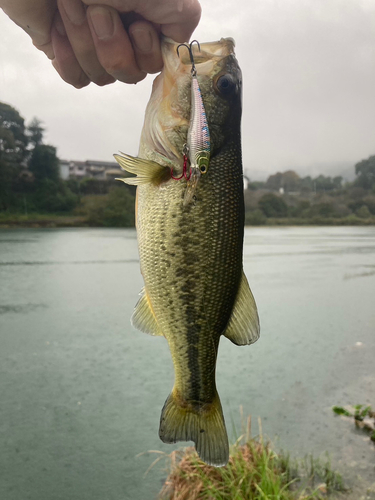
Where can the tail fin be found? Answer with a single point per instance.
(204, 425)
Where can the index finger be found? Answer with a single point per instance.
(178, 19)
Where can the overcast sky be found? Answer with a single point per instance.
(309, 87)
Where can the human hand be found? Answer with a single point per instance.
(117, 40)
(35, 17)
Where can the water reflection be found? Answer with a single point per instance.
(20, 309)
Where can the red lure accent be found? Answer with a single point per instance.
(184, 171)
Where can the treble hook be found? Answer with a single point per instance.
(189, 47)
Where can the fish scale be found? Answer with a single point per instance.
(191, 253)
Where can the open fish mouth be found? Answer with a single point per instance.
(205, 55)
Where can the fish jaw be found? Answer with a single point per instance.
(167, 116)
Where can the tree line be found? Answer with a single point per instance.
(29, 169)
(30, 183)
(320, 200)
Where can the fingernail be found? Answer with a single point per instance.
(75, 11)
(102, 22)
(142, 39)
(59, 25)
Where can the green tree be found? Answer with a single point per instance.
(273, 206)
(6, 180)
(13, 140)
(275, 181)
(323, 183)
(289, 181)
(255, 218)
(363, 212)
(324, 209)
(13, 143)
(116, 209)
(44, 163)
(365, 172)
(337, 182)
(35, 132)
(307, 184)
(301, 209)
(51, 196)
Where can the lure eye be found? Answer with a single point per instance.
(203, 169)
(226, 84)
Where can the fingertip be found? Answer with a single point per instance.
(132, 80)
(179, 33)
(113, 46)
(65, 61)
(190, 16)
(146, 44)
(78, 81)
(105, 80)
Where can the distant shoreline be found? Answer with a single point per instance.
(38, 221)
(42, 221)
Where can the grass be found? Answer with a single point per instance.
(364, 417)
(254, 472)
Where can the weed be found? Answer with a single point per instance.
(364, 417)
(254, 472)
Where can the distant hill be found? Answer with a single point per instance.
(344, 169)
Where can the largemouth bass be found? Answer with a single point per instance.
(191, 247)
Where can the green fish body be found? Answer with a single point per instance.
(191, 253)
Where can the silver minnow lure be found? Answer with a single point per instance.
(198, 139)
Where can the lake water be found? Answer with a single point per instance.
(81, 391)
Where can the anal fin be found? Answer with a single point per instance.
(243, 327)
(143, 317)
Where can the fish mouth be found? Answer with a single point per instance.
(206, 55)
(168, 111)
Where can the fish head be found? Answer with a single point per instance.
(168, 112)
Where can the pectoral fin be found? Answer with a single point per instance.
(143, 317)
(243, 326)
(147, 172)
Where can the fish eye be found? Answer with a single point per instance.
(226, 84)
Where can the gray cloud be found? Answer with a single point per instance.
(309, 80)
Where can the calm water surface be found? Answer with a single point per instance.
(81, 391)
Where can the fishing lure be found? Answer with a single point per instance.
(198, 140)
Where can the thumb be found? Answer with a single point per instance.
(184, 23)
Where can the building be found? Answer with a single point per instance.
(102, 170)
(64, 170)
